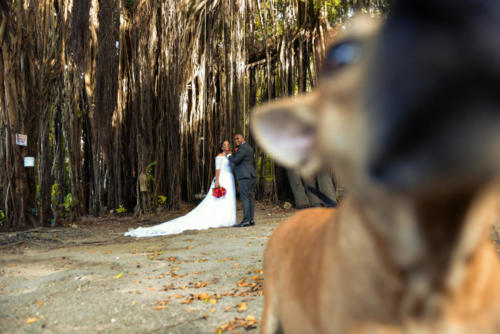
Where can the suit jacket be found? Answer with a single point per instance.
(242, 161)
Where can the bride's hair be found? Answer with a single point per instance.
(220, 146)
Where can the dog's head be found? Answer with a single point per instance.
(408, 116)
(412, 106)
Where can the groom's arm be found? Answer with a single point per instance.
(237, 158)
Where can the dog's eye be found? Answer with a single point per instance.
(342, 54)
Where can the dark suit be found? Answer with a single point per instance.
(242, 160)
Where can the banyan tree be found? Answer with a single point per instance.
(122, 103)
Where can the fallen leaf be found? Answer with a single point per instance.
(190, 247)
(31, 320)
(238, 323)
(119, 275)
(212, 301)
(40, 303)
(242, 307)
(198, 285)
(250, 318)
(224, 327)
(212, 310)
(161, 305)
(204, 295)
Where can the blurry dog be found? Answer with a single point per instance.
(408, 114)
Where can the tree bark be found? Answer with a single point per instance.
(16, 119)
(313, 199)
(298, 190)
(325, 185)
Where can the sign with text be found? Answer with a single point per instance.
(29, 161)
(21, 140)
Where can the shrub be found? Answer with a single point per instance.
(121, 209)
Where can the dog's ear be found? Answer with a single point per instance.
(287, 129)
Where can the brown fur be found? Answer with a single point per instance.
(407, 257)
(328, 271)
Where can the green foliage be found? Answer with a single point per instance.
(54, 194)
(268, 168)
(150, 171)
(129, 4)
(68, 202)
(121, 209)
(2, 217)
(37, 196)
(162, 200)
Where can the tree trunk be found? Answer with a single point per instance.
(105, 101)
(298, 190)
(325, 185)
(15, 119)
(45, 175)
(59, 159)
(313, 199)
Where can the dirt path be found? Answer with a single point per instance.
(91, 279)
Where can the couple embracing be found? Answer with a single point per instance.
(217, 211)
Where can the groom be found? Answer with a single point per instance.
(242, 159)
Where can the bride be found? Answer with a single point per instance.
(211, 212)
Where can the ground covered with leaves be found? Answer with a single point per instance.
(88, 278)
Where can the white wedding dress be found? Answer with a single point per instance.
(211, 212)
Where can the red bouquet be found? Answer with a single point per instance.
(219, 192)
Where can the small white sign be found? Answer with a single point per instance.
(29, 161)
(21, 140)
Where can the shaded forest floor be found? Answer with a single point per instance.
(89, 278)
